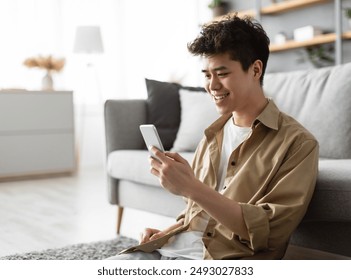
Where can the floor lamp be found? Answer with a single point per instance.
(88, 41)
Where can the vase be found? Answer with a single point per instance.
(47, 82)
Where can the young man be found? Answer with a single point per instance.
(254, 171)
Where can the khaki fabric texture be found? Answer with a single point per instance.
(272, 175)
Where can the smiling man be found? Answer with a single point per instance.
(254, 171)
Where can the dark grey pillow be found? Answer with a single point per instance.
(163, 108)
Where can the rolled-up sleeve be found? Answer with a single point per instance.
(271, 219)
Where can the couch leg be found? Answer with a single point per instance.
(119, 218)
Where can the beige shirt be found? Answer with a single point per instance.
(272, 175)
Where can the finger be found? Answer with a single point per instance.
(155, 163)
(144, 238)
(176, 157)
(160, 155)
(154, 172)
(156, 235)
(145, 235)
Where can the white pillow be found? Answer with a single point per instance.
(198, 111)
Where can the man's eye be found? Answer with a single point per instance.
(207, 76)
(222, 74)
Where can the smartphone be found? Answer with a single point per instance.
(151, 137)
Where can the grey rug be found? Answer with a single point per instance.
(85, 251)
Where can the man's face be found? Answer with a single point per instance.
(231, 88)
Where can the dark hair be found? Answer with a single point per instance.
(244, 40)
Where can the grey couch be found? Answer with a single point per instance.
(319, 99)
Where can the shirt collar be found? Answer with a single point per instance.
(217, 125)
(268, 117)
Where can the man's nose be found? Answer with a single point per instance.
(214, 84)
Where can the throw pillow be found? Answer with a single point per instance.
(163, 108)
(198, 111)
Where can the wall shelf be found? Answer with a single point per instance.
(290, 5)
(317, 40)
(282, 7)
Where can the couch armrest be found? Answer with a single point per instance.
(122, 120)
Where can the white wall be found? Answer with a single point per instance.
(142, 39)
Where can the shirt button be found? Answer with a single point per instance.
(233, 163)
(224, 187)
(209, 234)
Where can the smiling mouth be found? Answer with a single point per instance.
(220, 97)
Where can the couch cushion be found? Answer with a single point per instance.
(163, 108)
(320, 99)
(134, 165)
(331, 200)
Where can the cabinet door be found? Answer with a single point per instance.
(36, 133)
(36, 154)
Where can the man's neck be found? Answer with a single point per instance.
(246, 117)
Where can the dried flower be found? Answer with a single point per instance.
(45, 62)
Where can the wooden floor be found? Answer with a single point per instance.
(55, 212)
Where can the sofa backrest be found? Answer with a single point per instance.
(320, 99)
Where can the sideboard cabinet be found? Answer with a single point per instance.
(36, 133)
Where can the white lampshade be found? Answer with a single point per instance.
(88, 40)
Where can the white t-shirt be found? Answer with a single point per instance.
(189, 244)
(232, 138)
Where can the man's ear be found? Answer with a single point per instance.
(257, 67)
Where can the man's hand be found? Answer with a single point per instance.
(174, 172)
(176, 175)
(150, 234)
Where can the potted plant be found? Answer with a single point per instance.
(348, 15)
(219, 7)
(319, 56)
